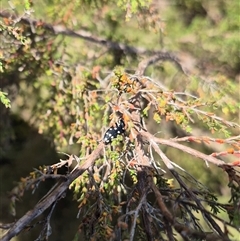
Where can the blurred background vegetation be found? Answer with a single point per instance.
(51, 49)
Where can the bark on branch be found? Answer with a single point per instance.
(51, 197)
(88, 36)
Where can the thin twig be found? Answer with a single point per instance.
(136, 213)
(234, 140)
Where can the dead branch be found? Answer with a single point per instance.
(85, 35)
(51, 197)
(233, 140)
(183, 230)
(183, 148)
(192, 196)
(164, 56)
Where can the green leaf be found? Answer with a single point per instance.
(4, 99)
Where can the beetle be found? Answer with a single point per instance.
(114, 131)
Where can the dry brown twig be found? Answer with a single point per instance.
(52, 196)
(183, 148)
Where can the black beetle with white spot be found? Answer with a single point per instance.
(114, 131)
